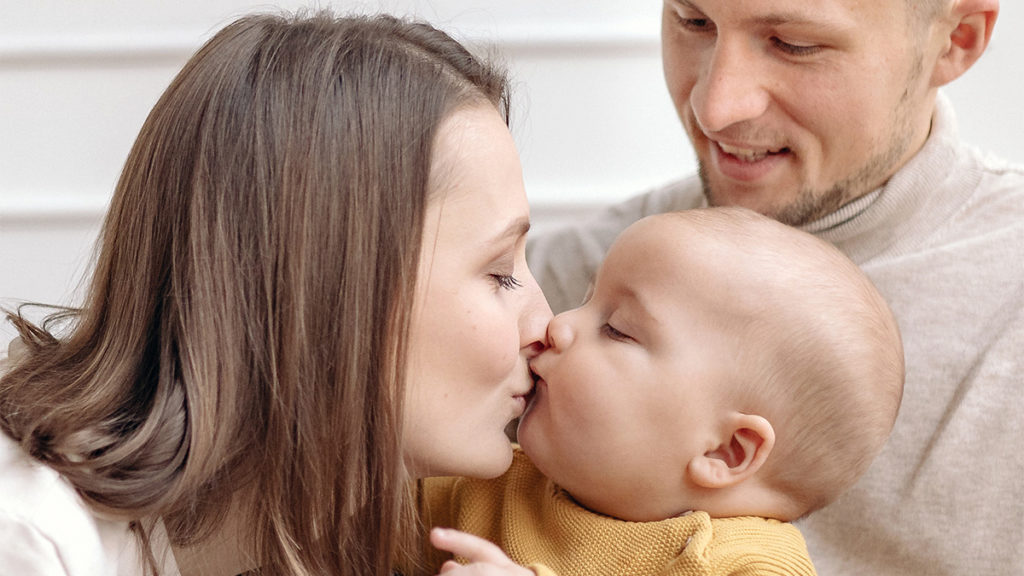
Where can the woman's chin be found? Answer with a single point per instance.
(494, 466)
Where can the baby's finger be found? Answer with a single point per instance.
(472, 548)
(449, 565)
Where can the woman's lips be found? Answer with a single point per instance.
(523, 400)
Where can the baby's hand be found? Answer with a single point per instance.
(485, 559)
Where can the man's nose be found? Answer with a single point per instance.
(730, 88)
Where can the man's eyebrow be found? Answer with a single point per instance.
(684, 4)
(774, 18)
(794, 18)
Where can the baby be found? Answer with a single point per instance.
(727, 375)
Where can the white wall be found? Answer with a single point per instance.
(591, 117)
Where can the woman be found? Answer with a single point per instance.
(311, 288)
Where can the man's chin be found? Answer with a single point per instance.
(720, 195)
(749, 201)
(805, 208)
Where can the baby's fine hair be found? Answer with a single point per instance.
(822, 351)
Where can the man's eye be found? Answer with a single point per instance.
(694, 24)
(795, 49)
(611, 332)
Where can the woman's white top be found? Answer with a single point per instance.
(46, 529)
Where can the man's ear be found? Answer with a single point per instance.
(969, 25)
(746, 441)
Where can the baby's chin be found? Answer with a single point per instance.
(531, 443)
(528, 430)
(527, 436)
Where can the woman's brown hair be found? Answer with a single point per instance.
(246, 321)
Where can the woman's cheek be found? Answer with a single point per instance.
(500, 345)
(506, 353)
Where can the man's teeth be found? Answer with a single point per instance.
(746, 154)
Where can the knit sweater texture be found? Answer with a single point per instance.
(539, 525)
(943, 240)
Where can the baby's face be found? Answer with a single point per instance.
(630, 387)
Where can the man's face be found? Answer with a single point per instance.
(796, 108)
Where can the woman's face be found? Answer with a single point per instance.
(479, 315)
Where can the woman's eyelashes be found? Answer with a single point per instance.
(506, 281)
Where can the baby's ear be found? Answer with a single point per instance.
(746, 441)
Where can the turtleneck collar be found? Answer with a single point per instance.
(914, 202)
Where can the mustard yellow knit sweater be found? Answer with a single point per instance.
(540, 526)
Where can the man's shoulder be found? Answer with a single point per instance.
(683, 194)
(1003, 181)
(996, 201)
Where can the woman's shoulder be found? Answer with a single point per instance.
(29, 488)
(46, 528)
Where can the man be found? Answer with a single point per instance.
(827, 116)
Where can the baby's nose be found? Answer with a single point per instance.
(560, 331)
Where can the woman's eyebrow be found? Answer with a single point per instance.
(516, 228)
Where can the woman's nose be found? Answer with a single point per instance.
(533, 321)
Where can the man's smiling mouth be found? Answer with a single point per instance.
(749, 154)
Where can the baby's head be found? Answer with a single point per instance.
(723, 362)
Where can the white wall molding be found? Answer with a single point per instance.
(577, 39)
(54, 49)
(33, 208)
(56, 209)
